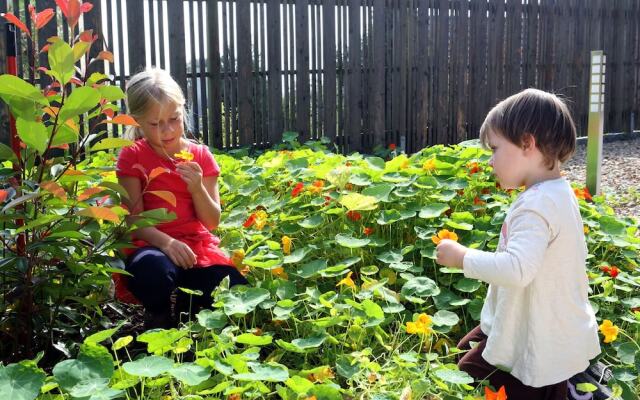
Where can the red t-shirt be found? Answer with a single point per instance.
(186, 227)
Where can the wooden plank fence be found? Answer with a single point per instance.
(364, 73)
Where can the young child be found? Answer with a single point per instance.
(182, 252)
(537, 328)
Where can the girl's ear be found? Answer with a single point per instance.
(528, 142)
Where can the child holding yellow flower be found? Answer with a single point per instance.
(537, 328)
(162, 169)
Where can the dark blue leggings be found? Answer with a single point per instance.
(155, 277)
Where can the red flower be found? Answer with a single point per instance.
(249, 221)
(473, 167)
(367, 231)
(327, 200)
(613, 271)
(354, 215)
(477, 201)
(392, 146)
(297, 189)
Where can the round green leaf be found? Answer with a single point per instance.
(359, 202)
(351, 242)
(20, 381)
(269, 372)
(467, 285)
(190, 373)
(313, 221)
(420, 287)
(433, 210)
(243, 300)
(454, 376)
(254, 340)
(212, 319)
(149, 367)
(446, 318)
(93, 362)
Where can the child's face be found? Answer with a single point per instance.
(508, 160)
(163, 126)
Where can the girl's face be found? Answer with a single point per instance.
(163, 127)
(508, 161)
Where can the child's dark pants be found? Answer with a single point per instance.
(473, 363)
(155, 277)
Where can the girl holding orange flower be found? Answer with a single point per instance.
(537, 328)
(162, 169)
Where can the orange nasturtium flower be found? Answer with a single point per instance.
(444, 234)
(609, 330)
(367, 231)
(347, 281)
(422, 325)
(184, 155)
(279, 272)
(582, 194)
(429, 165)
(316, 186)
(501, 394)
(286, 244)
(473, 168)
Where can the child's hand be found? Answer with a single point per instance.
(191, 173)
(180, 253)
(450, 253)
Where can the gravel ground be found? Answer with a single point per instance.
(620, 174)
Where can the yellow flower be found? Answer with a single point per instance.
(420, 326)
(404, 164)
(586, 229)
(237, 256)
(286, 244)
(609, 330)
(429, 165)
(261, 219)
(184, 155)
(444, 234)
(348, 281)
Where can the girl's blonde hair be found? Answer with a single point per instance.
(153, 85)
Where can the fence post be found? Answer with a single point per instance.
(135, 29)
(596, 121)
(177, 48)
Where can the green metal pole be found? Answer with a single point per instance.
(596, 121)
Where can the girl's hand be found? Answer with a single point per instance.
(450, 253)
(180, 253)
(191, 173)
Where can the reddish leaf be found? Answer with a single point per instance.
(63, 5)
(76, 81)
(3, 195)
(100, 213)
(102, 200)
(64, 146)
(16, 21)
(108, 112)
(86, 7)
(123, 119)
(89, 193)
(43, 17)
(165, 195)
(157, 171)
(74, 12)
(44, 49)
(87, 36)
(54, 189)
(105, 55)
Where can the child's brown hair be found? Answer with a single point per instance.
(537, 113)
